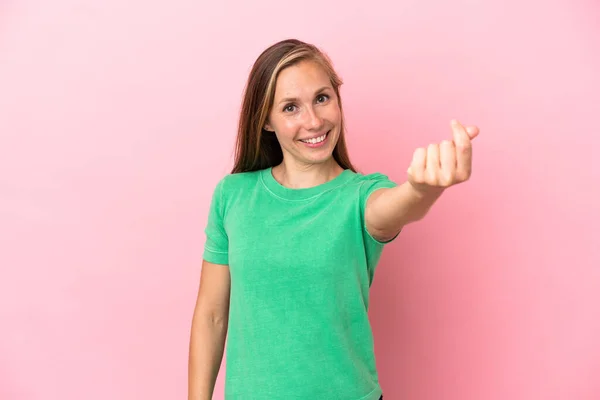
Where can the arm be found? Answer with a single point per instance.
(209, 330)
(388, 210)
(432, 171)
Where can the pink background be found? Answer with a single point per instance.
(118, 117)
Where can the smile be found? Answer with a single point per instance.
(316, 140)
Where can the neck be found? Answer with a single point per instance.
(296, 176)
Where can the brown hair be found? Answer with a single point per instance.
(256, 148)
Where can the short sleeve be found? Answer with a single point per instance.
(372, 183)
(216, 248)
(373, 247)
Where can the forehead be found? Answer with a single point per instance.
(302, 78)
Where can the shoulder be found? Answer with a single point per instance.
(367, 184)
(371, 177)
(240, 178)
(233, 184)
(376, 179)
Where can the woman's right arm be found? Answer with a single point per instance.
(209, 330)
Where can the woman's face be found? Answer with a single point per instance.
(305, 116)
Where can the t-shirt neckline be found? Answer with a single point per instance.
(305, 193)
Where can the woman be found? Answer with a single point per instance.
(293, 237)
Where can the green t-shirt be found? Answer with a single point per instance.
(301, 264)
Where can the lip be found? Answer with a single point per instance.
(318, 145)
(316, 136)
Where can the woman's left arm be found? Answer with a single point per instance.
(433, 170)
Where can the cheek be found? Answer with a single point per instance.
(288, 128)
(333, 114)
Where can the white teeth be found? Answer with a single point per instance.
(315, 140)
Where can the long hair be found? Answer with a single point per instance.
(256, 148)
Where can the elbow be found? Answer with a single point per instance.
(384, 236)
(211, 318)
(219, 320)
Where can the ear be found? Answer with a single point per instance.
(268, 127)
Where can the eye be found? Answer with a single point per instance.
(289, 108)
(322, 98)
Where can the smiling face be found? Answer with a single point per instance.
(305, 116)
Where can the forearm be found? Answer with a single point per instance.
(206, 350)
(394, 208)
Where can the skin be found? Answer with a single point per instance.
(305, 105)
(313, 111)
(433, 169)
(208, 331)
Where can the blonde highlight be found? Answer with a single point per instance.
(256, 150)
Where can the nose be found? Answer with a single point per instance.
(313, 119)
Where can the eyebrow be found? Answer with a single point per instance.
(291, 99)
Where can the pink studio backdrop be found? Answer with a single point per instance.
(118, 118)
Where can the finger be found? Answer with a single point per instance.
(459, 133)
(448, 162)
(433, 163)
(462, 143)
(472, 131)
(419, 161)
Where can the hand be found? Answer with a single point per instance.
(442, 165)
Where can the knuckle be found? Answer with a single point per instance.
(463, 176)
(431, 178)
(463, 148)
(447, 179)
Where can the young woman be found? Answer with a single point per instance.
(293, 238)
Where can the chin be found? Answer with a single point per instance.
(321, 158)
